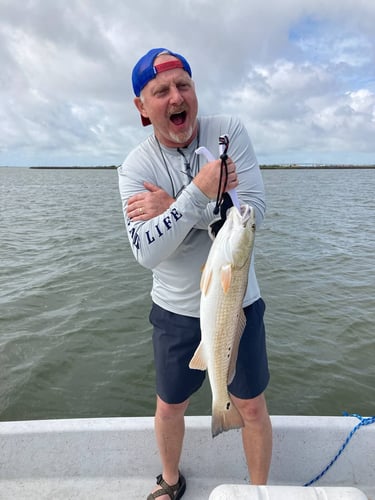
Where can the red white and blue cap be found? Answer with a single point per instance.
(145, 70)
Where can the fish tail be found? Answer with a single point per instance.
(225, 417)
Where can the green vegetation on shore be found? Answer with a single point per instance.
(99, 167)
(294, 166)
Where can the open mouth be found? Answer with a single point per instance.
(178, 118)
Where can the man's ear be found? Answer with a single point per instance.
(139, 105)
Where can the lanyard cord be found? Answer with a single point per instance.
(186, 164)
(224, 142)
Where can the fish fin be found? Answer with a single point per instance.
(226, 277)
(198, 361)
(241, 323)
(206, 281)
(225, 417)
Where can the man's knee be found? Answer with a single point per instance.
(252, 410)
(167, 411)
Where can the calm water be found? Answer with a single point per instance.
(74, 331)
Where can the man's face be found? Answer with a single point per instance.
(170, 102)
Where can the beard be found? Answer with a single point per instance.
(183, 137)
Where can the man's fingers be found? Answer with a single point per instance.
(151, 187)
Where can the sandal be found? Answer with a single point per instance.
(174, 492)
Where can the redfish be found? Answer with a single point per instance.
(222, 319)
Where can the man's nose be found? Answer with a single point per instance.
(175, 96)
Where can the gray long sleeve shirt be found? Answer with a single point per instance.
(175, 244)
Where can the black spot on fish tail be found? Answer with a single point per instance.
(225, 418)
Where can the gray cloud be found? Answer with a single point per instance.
(300, 74)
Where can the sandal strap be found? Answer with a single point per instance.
(166, 489)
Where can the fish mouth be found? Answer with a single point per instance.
(246, 212)
(244, 216)
(178, 118)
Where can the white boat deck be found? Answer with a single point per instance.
(117, 458)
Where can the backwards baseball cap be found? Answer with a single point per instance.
(145, 70)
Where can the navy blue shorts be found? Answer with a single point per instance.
(175, 339)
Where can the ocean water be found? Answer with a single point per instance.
(75, 340)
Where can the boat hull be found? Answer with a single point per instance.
(103, 458)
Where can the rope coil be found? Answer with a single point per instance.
(362, 422)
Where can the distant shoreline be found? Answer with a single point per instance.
(111, 167)
(314, 167)
(262, 167)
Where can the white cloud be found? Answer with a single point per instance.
(299, 111)
(363, 101)
(301, 74)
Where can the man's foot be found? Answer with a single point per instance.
(174, 492)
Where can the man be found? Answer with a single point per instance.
(168, 195)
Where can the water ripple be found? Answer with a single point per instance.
(75, 340)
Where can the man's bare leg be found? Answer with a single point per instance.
(169, 430)
(256, 436)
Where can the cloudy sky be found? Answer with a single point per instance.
(300, 73)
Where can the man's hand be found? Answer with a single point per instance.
(148, 204)
(209, 177)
